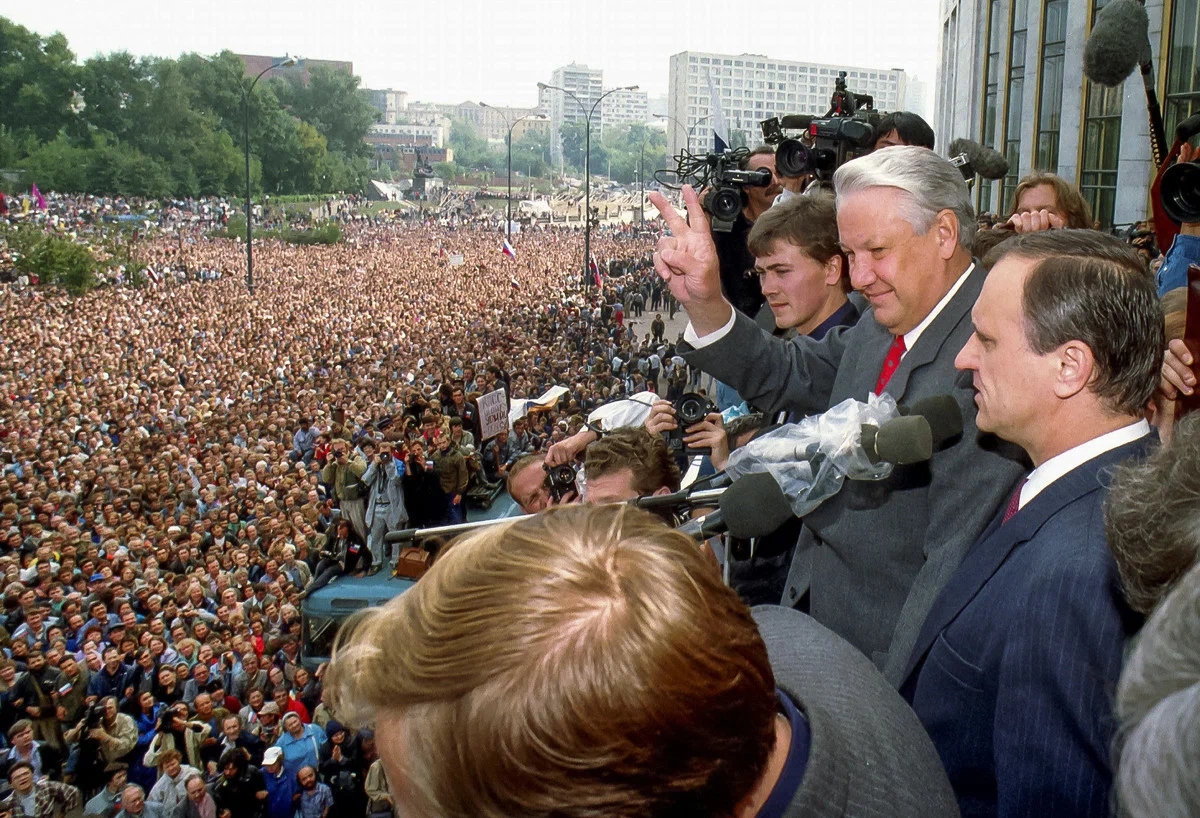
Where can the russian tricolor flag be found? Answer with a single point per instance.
(508, 250)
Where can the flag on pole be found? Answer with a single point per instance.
(37, 195)
(595, 272)
(154, 275)
(508, 250)
(720, 127)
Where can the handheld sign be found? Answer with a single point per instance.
(493, 414)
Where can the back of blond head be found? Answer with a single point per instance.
(584, 662)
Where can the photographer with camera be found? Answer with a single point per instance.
(385, 509)
(175, 732)
(535, 485)
(344, 473)
(1185, 250)
(344, 553)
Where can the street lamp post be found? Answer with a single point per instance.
(286, 62)
(587, 168)
(508, 210)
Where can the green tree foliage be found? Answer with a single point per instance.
(473, 151)
(119, 124)
(53, 259)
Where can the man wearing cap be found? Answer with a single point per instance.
(281, 787)
(300, 743)
(268, 720)
(107, 802)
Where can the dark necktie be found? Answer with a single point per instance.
(1014, 505)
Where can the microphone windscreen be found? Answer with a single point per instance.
(754, 506)
(1118, 42)
(988, 163)
(943, 414)
(796, 122)
(904, 440)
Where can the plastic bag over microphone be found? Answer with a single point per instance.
(811, 459)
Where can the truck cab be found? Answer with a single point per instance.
(325, 610)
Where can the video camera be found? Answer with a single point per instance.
(726, 180)
(844, 133)
(1180, 186)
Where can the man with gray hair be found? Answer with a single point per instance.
(1158, 706)
(871, 560)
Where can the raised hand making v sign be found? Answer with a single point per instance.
(687, 261)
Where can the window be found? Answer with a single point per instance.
(1101, 144)
(1013, 100)
(1050, 84)
(991, 95)
(1183, 65)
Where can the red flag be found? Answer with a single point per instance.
(37, 196)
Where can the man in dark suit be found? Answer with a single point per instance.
(1014, 670)
(871, 560)
(602, 650)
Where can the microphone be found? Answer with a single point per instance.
(796, 122)
(943, 413)
(753, 506)
(988, 163)
(1119, 43)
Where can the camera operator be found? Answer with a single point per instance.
(344, 472)
(902, 128)
(385, 509)
(666, 695)
(1185, 250)
(741, 290)
(175, 732)
(115, 731)
(529, 484)
(344, 553)
(423, 493)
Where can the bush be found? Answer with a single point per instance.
(328, 232)
(54, 260)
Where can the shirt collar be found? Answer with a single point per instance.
(1054, 468)
(784, 791)
(910, 337)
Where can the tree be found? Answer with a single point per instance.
(471, 150)
(333, 104)
(38, 81)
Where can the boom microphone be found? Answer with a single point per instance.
(1119, 42)
(988, 163)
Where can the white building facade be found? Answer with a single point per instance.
(623, 107)
(753, 87)
(585, 84)
(1011, 77)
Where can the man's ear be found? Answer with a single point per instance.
(1076, 365)
(661, 491)
(833, 271)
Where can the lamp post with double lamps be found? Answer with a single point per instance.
(508, 219)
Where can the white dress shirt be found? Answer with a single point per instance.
(1054, 468)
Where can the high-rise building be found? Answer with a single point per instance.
(752, 87)
(585, 84)
(623, 107)
(1011, 77)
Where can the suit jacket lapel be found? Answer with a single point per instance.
(999, 540)
(935, 336)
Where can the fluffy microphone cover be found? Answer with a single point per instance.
(986, 162)
(1118, 42)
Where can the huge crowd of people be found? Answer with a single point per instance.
(186, 461)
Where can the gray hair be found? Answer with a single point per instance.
(1158, 707)
(931, 183)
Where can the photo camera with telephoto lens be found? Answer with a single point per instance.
(690, 409)
(1180, 186)
(844, 133)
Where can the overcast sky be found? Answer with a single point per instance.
(452, 50)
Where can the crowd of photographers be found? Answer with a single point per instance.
(1008, 629)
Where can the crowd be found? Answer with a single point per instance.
(1006, 629)
(183, 462)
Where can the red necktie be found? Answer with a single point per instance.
(895, 353)
(1014, 505)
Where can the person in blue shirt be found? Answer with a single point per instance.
(300, 743)
(282, 788)
(1185, 250)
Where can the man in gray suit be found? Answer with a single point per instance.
(623, 678)
(871, 560)
(385, 509)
